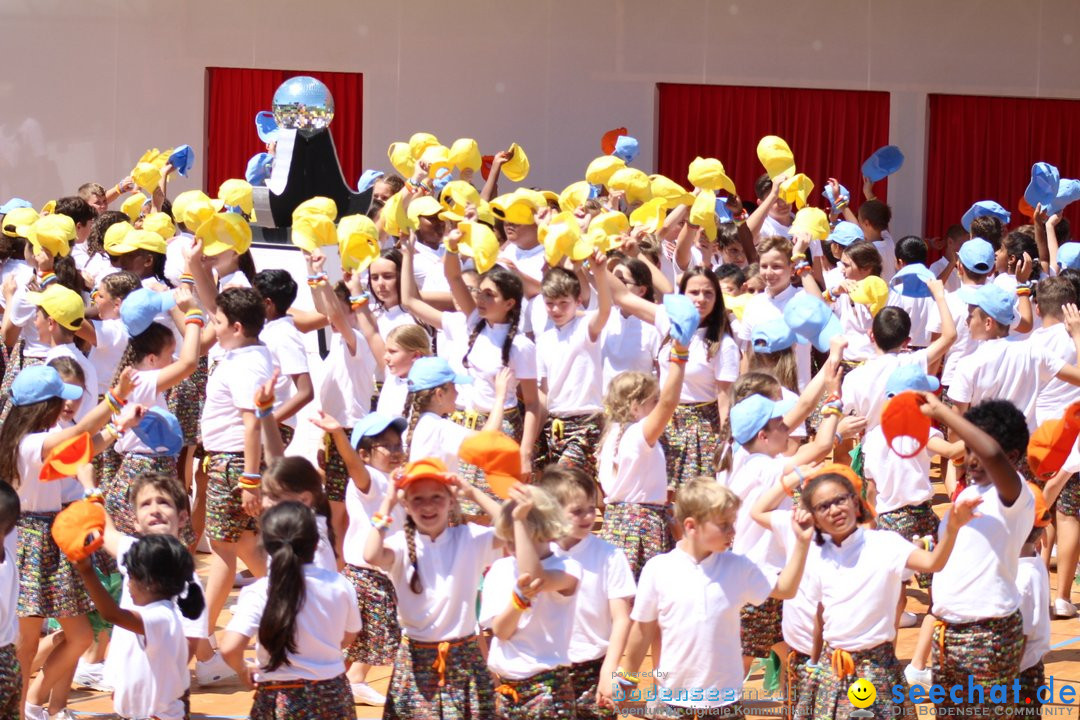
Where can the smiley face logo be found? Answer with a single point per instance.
(862, 693)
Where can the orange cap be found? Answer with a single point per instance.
(65, 459)
(79, 529)
(497, 455)
(607, 142)
(423, 469)
(904, 424)
(1052, 442)
(1042, 512)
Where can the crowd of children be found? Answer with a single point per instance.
(558, 433)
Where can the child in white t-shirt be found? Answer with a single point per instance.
(110, 336)
(60, 313)
(405, 344)
(1033, 582)
(912, 250)
(286, 345)
(629, 343)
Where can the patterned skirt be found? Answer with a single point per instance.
(106, 464)
(1068, 501)
(48, 585)
(912, 521)
(185, 401)
(877, 665)
(548, 695)
(440, 681)
(10, 683)
(642, 531)
(802, 682)
(225, 516)
(132, 465)
(571, 442)
(961, 650)
(335, 474)
(512, 425)
(380, 635)
(1030, 682)
(691, 443)
(586, 678)
(325, 699)
(13, 365)
(759, 627)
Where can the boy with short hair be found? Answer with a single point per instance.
(60, 313)
(912, 250)
(975, 263)
(110, 334)
(772, 216)
(874, 219)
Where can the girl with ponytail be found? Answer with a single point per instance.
(302, 615)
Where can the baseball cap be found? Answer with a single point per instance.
(516, 168)
(465, 154)
(811, 320)
(14, 204)
(812, 221)
(140, 308)
(432, 372)
(977, 255)
(752, 414)
(871, 291)
(20, 218)
(910, 377)
(161, 224)
(52, 233)
(266, 126)
(237, 193)
(62, 304)
(1052, 442)
(884, 162)
(39, 383)
(1043, 187)
(1069, 256)
(906, 428)
(313, 230)
(258, 168)
(684, 318)
(423, 469)
(992, 300)
(497, 455)
(776, 156)
(128, 239)
(183, 159)
(65, 459)
(912, 280)
(358, 242)
(772, 336)
(225, 231)
(375, 423)
(982, 208)
(517, 207)
(845, 233)
(160, 431)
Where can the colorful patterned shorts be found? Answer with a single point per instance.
(1030, 682)
(380, 635)
(911, 521)
(961, 650)
(415, 692)
(288, 700)
(878, 665)
(801, 684)
(571, 442)
(512, 426)
(225, 516)
(48, 585)
(691, 443)
(185, 401)
(1068, 501)
(131, 467)
(545, 696)
(642, 531)
(585, 677)
(10, 684)
(287, 433)
(759, 627)
(333, 466)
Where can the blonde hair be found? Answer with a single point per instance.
(545, 522)
(626, 388)
(704, 499)
(755, 383)
(775, 242)
(410, 338)
(781, 363)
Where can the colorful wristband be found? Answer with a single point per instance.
(520, 602)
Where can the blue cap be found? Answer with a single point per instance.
(811, 320)
(910, 377)
(39, 383)
(375, 423)
(140, 308)
(752, 414)
(626, 148)
(772, 336)
(984, 207)
(723, 215)
(182, 158)
(258, 169)
(14, 204)
(911, 280)
(1043, 187)
(441, 180)
(367, 179)
(977, 255)
(829, 194)
(845, 233)
(992, 300)
(1068, 192)
(883, 163)
(433, 372)
(160, 431)
(266, 125)
(1069, 256)
(684, 317)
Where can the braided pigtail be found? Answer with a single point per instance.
(514, 318)
(472, 341)
(618, 437)
(126, 361)
(418, 405)
(410, 543)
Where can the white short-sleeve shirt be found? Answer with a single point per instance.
(763, 307)
(923, 313)
(900, 481)
(197, 628)
(628, 344)
(348, 380)
(570, 361)
(149, 673)
(112, 339)
(438, 437)
(144, 393)
(1033, 582)
(702, 371)
(231, 389)
(286, 346)
(1055, 395)
(89, 396)
(757, 543)
(800, 612)
(637, 473)
(863, 389)
(360, 506)
(485, 362)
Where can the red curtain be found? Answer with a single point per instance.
(830, 132)
(982, 148)
(235, 95)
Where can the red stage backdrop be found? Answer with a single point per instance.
(982, 148)
(830, 132)
(235, 95)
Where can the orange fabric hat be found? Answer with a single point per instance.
(66, 458)
(497, 455)
(906, 429)
(423, 469)
(607, 142)
(1052, 442)
(79, 529)
(1042, 512)
(846, 472)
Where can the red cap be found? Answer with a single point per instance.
(904, 424)
(607, 142)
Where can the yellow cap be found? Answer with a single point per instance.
(518, 207)
(602, 168)
(128, 240)
(420, 142)
(225, 231)
(650, 215)
(52, 233)
(465, 155)
(317, 205)
(516, 168)
(795, 190)
(633, 182)
(703, 213)
(312, 230)
(197, 211)
(708, 174)
(871, 291)
(478, 242)
(147, 177)
(155, 157)
(457, 194)
(776, 156)
(48, 208)
(237, 193)
(437, 158)
(62, 304)
(114, 236)
(483, 213)
(575, 195)
(812, 221)
(736, 304)
(559, 236)
(606, 230)
(160, 223)
(358, 242)
(423, 206)
(133, 206)
(180, 202)
(395, 219)
(672, 192)
(19, 218)
(401, 158)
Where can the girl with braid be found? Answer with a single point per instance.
(439, 670)
(405, 344)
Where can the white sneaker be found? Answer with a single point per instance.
(35, 712)
(364, 694)
(908, 619)
(914, 676)
(64, 714)
(91, 675)
(213, 671)
(1063, 608)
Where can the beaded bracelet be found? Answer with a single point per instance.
(195, 317)
(796, 257)
(520, 602)
(94, 494)
(841, 202)
(380, 521)
(187, 279)
(112, 428)
(264, 413)
(832, 397)
(250, 481)
(317, 279)
(828, 410)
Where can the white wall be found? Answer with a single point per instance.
(88, 86)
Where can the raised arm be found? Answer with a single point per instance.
(452, 269)
(654, 424)
(637, 306)
(410, 294)
(175, 372)
(528, 551)
(937, 349)
(599, 269)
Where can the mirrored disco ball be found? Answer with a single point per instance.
(303, 103)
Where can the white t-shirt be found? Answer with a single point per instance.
(235, 279)
(800, 612)
(89, 396)
(570, 361)
(771, 226)
(329, 612)
(9, 591)
(438, 437)
(542, 639)
(628, 344)
(197, 629)
(428, 267)
(1033, 582)
(392, 396)
(886, 246)
(286, 346)
(485, 358)
(964, 345)
(1007, 282)
(112, 340)
(923, 313)
(1005, 369)
(859, 583)
(855, 322)
(979, 580)
(230, 389)
(22, 312)
(450, 568)
(900, 481)
(144, 393)
(763, 307)
(702, 372)
(149, 673)
(348, 381)
(1055, 395)
(786, 395)
(638, 474)
(387, 320)
(697, 606)
(36, 495)
(530, 263)
(758, 473)
(863, 388)
(360, 506)
(952, 283)
(605, 576)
